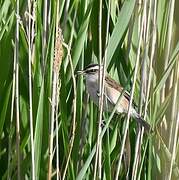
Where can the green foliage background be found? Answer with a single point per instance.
(135, 36)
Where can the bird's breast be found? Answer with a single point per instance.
(92, 88)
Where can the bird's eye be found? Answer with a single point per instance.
(91, 71)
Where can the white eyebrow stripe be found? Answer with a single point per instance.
(92, 66)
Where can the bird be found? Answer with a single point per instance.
(112, 91)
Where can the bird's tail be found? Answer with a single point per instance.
(141, 121)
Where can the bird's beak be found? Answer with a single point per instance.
(81, 72)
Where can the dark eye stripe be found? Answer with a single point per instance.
(92, 71)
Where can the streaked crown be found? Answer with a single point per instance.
(91, 69)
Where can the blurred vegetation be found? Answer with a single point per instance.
(49, 125)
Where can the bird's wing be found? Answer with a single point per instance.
(113, 84)
(127, 96)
